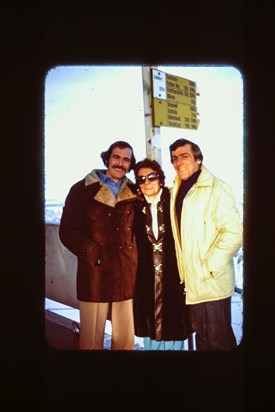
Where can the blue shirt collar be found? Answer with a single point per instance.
(109, 182)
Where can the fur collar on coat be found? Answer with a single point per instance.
(105, 195)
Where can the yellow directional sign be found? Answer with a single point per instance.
(174, 101)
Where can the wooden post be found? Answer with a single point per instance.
(153, 143)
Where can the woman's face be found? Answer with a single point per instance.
(150, 186)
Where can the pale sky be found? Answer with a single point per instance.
(89, 107)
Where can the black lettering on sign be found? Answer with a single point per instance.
(170, 77)
(170, 96)
(174, 91)
(174, 118)
(175, 105)
(170, 84)
(173, 124)
(173, 111)
(156, 77)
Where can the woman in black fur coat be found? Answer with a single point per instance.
(160, 313)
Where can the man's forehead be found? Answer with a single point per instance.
(183, 148)
(125, 150)
(121, 148)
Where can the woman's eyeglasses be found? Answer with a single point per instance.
(152, 177)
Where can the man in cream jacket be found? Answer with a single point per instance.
(207, 230)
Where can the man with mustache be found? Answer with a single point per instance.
(96, 225)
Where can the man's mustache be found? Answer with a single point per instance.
(119, 167)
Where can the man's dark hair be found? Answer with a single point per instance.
(182, 142)
(105, 156)
(152, 164)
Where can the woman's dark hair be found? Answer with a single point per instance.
(152, 164)
(182, 142)
(105, 156)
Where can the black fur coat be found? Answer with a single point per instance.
(160, 312)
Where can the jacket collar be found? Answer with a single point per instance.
(206, 178)
(105, 195)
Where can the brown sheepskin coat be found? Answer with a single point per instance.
(97, 227)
